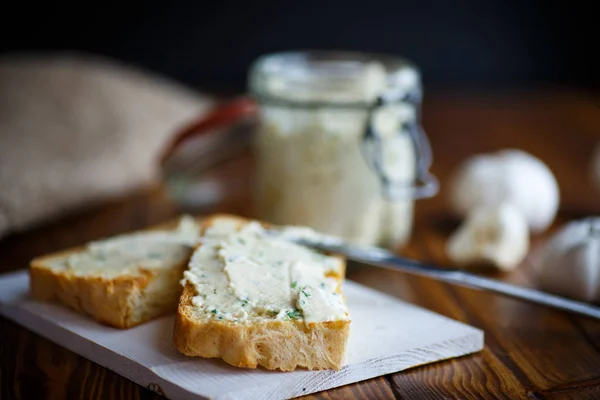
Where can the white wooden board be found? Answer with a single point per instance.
(387, 335)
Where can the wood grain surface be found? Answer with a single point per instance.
(531, 352)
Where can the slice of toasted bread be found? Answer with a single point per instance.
(263, 339)
(119, 286)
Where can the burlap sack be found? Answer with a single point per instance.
(77, 129)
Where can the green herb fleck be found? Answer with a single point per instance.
(215, 291)
(272, 313)
(304, 292)
(294, 284)
(219, 317)
(322, 285)
(295, 314)
(214, 311)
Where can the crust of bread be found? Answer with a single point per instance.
(123, 301)
(274, 345)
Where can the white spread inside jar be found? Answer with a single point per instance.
(311, 169)
(245, 275)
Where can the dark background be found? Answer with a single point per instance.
(471, 45)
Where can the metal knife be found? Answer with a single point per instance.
(383, 258)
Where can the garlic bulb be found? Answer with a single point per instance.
(492, 236)
(569, 262)
(507, 176)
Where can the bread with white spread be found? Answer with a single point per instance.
(121, 281)
(252, 299)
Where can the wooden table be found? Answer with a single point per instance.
(530, 352)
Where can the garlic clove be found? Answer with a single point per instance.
(569, 262)
(509, 175)
(493, 236)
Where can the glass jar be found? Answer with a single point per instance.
(327, 140)
(339, 146)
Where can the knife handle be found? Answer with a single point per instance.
(466, 279)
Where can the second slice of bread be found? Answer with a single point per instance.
(121, 294)
(269, 342)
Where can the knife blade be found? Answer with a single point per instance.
(382, 258)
